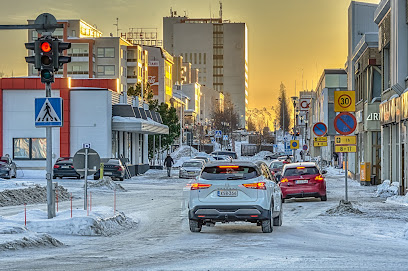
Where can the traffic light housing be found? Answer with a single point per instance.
(36, 58)
(47, 59)
(58, 50)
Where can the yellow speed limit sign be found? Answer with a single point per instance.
(345, 101)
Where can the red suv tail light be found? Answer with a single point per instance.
(260, 185)
(319, 178)
(56, 166)
(119, 168)
(196, 186)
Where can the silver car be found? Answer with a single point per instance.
(191, 168)
(235, 191)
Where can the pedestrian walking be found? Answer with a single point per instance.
(168, 162)
(336, 159)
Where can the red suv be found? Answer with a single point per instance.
(300, 180)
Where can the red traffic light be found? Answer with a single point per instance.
(45, 47)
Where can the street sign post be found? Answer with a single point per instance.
(86, 162)
(345, 123)
(319, 144)
(320, 129)
(294, 144)
(48, 112)
(346, 148)
(218, 133)
(345, 101)
(321, 139)
(225, 137)
(345, 140)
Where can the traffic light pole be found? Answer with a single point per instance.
(50, 197)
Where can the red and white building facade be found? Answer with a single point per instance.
(87, 118)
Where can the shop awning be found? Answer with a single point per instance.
(131, 124)
(126, 118)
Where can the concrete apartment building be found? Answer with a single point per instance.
(218, 49)
(160, 73)
(391, 18)
(363, 68)
(322, 108)
(94, 56)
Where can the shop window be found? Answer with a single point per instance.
(29, 148)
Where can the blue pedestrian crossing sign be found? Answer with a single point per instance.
(48, 112)
(225, 137)
(218, 133)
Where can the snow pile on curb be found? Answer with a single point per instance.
(40, 240)
(387, 189)
(30, 195)
(262, 154)
(344, 208)
(100, 222)
(106, 183)
(184, 151)
(398, 199)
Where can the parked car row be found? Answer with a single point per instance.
(64, 168)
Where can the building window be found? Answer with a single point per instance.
(106, 70)
(106, 52)
(29, 148)
(195, 58)
(205, 58)
(199, 58)
(191, 58)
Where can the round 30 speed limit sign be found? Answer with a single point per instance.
(345, 101)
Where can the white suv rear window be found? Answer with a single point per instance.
(229, 173)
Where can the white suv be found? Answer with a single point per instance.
(235, 191)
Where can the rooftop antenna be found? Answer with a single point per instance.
(302, 80)
(221, 10)
(117, 27)
(210, 11)
(171, 12)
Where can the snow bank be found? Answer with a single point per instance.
(262, 154)
(40, 240)
(101, 221)
(387, 189)
(184, 151)
(403, 200)
(107, 184)
(344, 208)
(30, 195)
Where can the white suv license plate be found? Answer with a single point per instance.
(301, 181)
(227, 193)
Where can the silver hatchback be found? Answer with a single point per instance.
(235, 191)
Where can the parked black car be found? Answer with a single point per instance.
(228, 153)
(64, 167)
(113, 168)
(8, 168)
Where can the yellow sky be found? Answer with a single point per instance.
(287, 38)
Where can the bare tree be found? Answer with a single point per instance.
(227, 115)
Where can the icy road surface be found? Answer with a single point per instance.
(309, 239)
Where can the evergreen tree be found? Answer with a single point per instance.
(282, 110)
